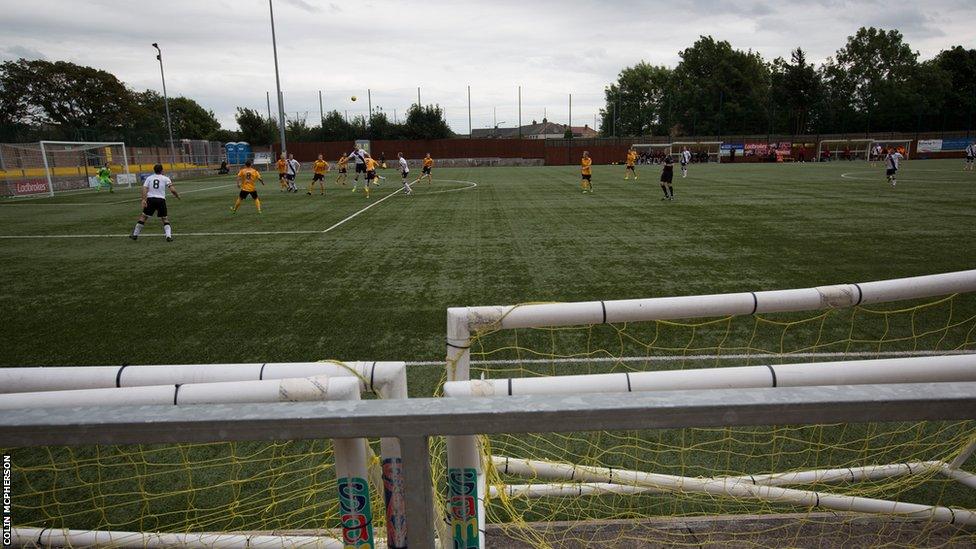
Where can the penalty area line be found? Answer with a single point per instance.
(241, 233)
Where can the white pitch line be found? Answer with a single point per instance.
(361, 211)
(673, 358)
(242, 233)
(123, 201)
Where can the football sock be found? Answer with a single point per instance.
(168, 230)
(257, 203)
(138, 227)
(665, 189)
(237, 204)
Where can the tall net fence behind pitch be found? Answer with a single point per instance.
(536, 480)
(32, 169)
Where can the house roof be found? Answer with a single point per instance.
(540, 128)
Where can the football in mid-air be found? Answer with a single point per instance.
(354, 98)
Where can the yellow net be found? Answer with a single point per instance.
(544, 503)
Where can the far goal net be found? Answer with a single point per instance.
(843, 149)
(652, 153)
(49, 167)
(701, 151)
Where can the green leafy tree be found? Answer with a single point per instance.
(380, 127)
(426, 123)
(796, 90)
(867, 79)
(190, 120)
(959, 109)
(297, 130)
(39, 92)
(718, 89)
(335, 128)
(638, 103)
(254, 128)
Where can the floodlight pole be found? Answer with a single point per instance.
(418, 97)
(267, 96)
(169, 123)
(469, 113)
(520, 112)
(281, 107)
(321, 111)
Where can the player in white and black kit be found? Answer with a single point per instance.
(358, 155)
(154, 202)
(685, 159)
(877, 154)
(891, 163)
(292, 171)
(404, 173)
(970, 157)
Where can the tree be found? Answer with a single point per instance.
(718, 89)
(639, 100)
(335, 128)
(39, 92)
(298, 131)
(959, 109)
(796, 89)
(254, 128)
(867, 78)
(190, 120)
(380, 127)
(426, 123)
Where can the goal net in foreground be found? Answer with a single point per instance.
(876, 483)
(49, 167)
(290, 493)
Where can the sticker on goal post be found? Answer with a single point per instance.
(356, 515)
(463, 503)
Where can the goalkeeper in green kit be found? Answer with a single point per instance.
(105, 178)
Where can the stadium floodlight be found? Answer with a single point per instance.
(169, 123)
(281, 106)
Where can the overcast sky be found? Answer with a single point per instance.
(219, 51)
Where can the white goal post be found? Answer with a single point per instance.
(72, 155)
(844, 149)
(697, 148)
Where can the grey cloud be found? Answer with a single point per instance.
(20, 52)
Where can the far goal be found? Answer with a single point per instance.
(843, 149)
(49, 167)
(701, 151)
(652, 153)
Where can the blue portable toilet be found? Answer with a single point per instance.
(230, 149)
(244, 151)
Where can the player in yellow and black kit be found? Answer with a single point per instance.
(245, 182)
(371, 165)
(587, 173)
(342, 164)
(319, 168)
(282, 166)
(631, 160)
(427, 167)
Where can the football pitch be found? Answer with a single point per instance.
(342, 277)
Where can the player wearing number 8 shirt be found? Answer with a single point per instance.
(154, 202)
(245, 182)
